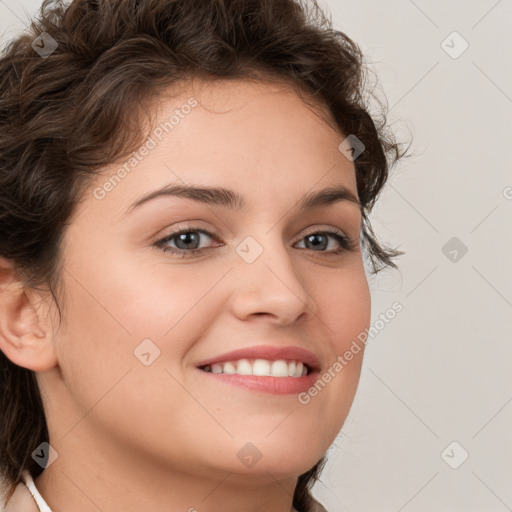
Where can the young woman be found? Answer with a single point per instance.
(184, 198)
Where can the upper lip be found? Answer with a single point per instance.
(268, 352)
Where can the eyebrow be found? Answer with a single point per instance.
(220, 196)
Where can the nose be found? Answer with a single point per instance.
(272, 288)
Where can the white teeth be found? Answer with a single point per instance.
(279, 368)
(244, 367)
(260, 367)
(216, 368)
(228, 368)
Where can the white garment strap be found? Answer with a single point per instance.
(29, 482)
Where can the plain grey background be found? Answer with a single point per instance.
(430, 428)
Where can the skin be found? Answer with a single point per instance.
(164, 437)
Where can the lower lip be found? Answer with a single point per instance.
(271, 385)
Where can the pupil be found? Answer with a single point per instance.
(185, 237)
(314, 238)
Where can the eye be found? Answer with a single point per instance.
(320, 239)
(186, 239)
(187, 242)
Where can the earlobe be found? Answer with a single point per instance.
(26, 337)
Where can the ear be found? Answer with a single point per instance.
(26, 335)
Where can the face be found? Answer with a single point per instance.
(144, 306)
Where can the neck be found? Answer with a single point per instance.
(93, 473)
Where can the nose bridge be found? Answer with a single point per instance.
(267, 281)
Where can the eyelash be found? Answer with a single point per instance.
(347, 244)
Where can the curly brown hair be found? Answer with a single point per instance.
(64, 115)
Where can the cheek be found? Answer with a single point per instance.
(344, 306)
(117, 313)
(154, 297)
(344, 309)
(108, 385)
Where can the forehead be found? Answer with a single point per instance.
(258, 138)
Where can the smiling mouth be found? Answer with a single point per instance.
(260, 367)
